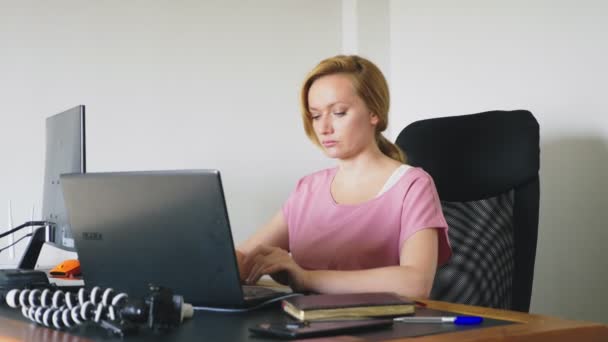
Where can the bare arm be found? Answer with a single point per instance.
(413, 278)
(274, 233)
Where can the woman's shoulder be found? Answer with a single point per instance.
(416, 174)
(321, 175)
(417, 171)
(316, 178)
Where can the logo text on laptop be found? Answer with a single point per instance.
(92, 236)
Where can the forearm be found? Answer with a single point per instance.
(274, 233)
(403, 280)
(256, 240)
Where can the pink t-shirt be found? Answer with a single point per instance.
(324, 235)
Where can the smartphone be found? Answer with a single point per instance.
(289, 330)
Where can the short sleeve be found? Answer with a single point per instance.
(289, 203)
(286, 208)
(422, 210)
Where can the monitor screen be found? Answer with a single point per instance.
(65, 153)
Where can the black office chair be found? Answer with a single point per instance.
(485, 167)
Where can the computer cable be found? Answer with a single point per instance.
(113, 311)
(16, 242)
(261, 305)
(24, 225)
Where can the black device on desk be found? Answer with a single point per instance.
(314, 329)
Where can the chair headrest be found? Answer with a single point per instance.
(475, 156)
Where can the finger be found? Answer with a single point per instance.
(270, 269)
(254, 276)
(263, 263)
(274, 270)
(250, 257)
(254, 272)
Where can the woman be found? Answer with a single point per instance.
(370, 224)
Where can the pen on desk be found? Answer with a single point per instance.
(459, 320)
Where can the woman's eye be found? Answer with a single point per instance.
(340, 114)
(315, 117)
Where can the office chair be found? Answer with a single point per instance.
(485, 167)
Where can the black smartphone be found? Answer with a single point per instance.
(289, 330)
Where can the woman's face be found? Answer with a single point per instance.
(341, 120)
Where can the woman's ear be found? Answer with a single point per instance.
(373, 119)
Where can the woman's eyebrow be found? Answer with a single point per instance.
(310, 108)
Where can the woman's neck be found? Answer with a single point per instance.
(361, 164)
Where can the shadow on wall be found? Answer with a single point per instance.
(571, 274)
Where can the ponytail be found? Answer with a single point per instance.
(389, 149)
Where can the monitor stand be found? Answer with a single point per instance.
(32, 251)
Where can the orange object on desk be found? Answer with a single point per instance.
(67, 269)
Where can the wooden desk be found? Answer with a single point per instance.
(535, 328)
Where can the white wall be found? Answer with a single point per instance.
(167, 85)
(462, 57)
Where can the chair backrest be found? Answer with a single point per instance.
(485, 167)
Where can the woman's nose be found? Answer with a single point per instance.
(326, 124)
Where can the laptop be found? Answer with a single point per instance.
(168, 228)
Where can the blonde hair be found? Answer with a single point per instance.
(369, 84)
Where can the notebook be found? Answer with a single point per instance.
(352, 305)
(168, 228)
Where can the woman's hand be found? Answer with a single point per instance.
(277, 263)
(279, 277)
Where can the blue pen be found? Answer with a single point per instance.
(460, 320)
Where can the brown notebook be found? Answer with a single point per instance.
(377, 304)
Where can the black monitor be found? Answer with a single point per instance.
(65, 153)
